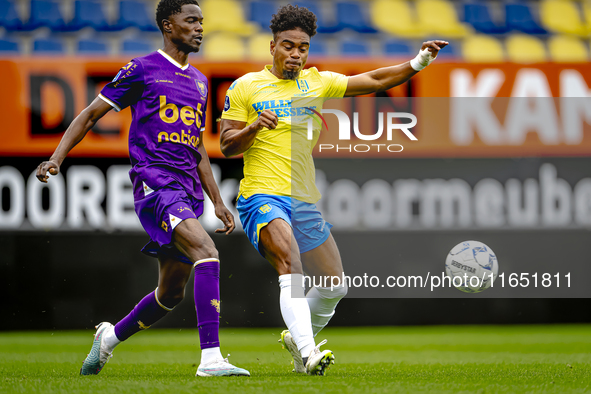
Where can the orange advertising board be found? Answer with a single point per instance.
(40, 97)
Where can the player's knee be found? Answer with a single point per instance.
(340, 291)
(171, 297)
(333, 293)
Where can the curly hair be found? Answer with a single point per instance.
(291, 17)
(166, 8)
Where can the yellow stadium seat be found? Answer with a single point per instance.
(259, 47)
(225, 15)
(396, 17)
(224, 47)
(567, 49)
(482, 48)
(522, 48)
(439, 17)
(562, 16)
(587, 12)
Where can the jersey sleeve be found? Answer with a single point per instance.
(236, 102)
(126, 88)
(335, 84)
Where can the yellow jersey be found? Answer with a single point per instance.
(268, 162)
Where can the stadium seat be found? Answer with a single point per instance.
(323, 25)
(478, 15)
(224, 47)
(258, 47)
(137, 46)
(9, 18)
(262, 11)
(398, 48)
(567, 49)
(439, 17)
(48, 46)
(8, 47)
(523, 48)
(92, 47)
(318, 47)
(395, 17)
(562, 17)
(354, 48)
(519, 17)
(226, 16)
(134, 14)
(89, 14)
(351, 15)
(45, 13)
(482, 49)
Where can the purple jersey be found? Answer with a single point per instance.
(168, 103)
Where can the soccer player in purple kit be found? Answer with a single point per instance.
(170, 169)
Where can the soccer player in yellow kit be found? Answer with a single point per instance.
(282, 222)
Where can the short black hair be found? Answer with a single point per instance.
(166, 8)
(291, 17)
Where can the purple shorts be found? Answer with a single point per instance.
(160, 212)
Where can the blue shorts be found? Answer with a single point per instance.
(160, 212)
(309, 228)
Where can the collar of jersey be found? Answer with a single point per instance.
(167, 57)
(268, 67)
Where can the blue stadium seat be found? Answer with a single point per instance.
(261, 12)
(519, 17)
(8, 47)
(89, 14)
(135, 46)
(48, 46)
(351, 15)
(354, 48)
(318, 47)
(478, 15)
(45, 13)
(398, 48)
(95, 46)
(323, 25)
(134, 14)
(9, 18)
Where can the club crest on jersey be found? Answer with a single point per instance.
(201, 87)
(303, 85)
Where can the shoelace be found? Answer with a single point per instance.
(317, 347)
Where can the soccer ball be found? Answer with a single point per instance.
(472, 266)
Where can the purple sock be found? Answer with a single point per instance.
(146, 313)
(207, 302)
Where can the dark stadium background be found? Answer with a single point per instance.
(67, 277)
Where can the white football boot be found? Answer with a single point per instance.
(220, 367)
(288, 343)
(319, 362)
(98, 356)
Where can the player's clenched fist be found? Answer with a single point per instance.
(267, 119)
(46, 166)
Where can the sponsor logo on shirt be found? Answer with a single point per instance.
(282, 108)
(170, 113)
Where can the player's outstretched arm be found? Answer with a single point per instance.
(388, 77)
(211, 188)
(73, 135)
(236, 137)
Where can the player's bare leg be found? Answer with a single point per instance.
(278, 245)
(320, 263)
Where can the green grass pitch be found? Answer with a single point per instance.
(484, 359)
